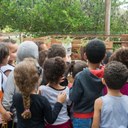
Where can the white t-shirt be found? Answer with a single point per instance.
(3, 80)
(51, 94)
(7, 67)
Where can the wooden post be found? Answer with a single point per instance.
(107, 16)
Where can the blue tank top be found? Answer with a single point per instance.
(114, 112)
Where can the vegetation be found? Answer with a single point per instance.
(61, 16)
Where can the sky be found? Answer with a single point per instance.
(123, 0)
(125, 6)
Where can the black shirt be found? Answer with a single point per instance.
(40, 109)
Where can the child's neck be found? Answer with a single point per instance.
(114, 92)
(1, 65)
(56, 86)
(11, 63)
(34, 92)
(93, 66)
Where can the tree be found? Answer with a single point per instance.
(60, 16)
(107, 16)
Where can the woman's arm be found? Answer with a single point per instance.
(97, 113)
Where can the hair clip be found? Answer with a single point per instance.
(27, 110)
(39, 70)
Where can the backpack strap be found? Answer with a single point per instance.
(2, 80)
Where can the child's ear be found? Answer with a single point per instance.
(85, 56)
(103, 81)
(39, 80)
(61, 79)
(105, 56)
(39, 92)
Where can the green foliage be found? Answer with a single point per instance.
(60, 16)
(116, 46)
(119, 22)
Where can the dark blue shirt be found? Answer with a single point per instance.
(86, 88)
(40, 109)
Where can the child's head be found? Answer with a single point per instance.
(120, 55)
(26, 76)
(41, 45)
(42, 57)
(4, 54)
(107, 56)
(56, 50)
(12, 45)
(54, 69)
(27, 49)
(115, 75)
(77, 66)
(95, 51)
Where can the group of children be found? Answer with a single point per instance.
(37, 92)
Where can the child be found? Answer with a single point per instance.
(59, 50)
(120, 55)
(77, 67)
(4, 57)
(26, 49)
(42, 57)
(32, 108)
(87, 85)
(41, 45)
(107, 56)
(11, 44)
(111, 110)
(54, 69)
(74, 69)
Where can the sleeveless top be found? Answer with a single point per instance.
(114, 112)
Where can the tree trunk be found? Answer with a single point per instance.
(107, 16)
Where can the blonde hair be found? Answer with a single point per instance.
(26, 78)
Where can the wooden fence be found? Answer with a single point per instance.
(111, 41)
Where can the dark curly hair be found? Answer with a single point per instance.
(54, 69)
(115, 75)
(77, 66)
(120, 55)
(95, 51)
(56, 50)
